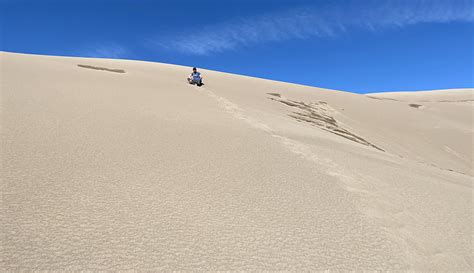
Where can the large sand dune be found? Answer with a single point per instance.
(115, 164)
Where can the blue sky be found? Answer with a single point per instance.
(353, 45)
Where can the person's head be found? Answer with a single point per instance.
(194, 69)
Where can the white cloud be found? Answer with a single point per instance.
(303, 23)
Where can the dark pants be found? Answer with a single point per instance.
(194, 81)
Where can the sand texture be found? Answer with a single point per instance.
(120, 165)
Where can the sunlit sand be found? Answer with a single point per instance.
(118, 165)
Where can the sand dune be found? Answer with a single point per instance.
(118, 165)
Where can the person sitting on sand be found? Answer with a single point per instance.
(195, 77)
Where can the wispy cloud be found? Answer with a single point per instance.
(108, 50)
(303, 23)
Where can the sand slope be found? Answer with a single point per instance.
(119, 165)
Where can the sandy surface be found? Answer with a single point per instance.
(116, 165)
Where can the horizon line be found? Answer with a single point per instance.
(237, 74)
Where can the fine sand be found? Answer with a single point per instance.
(121, 165)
